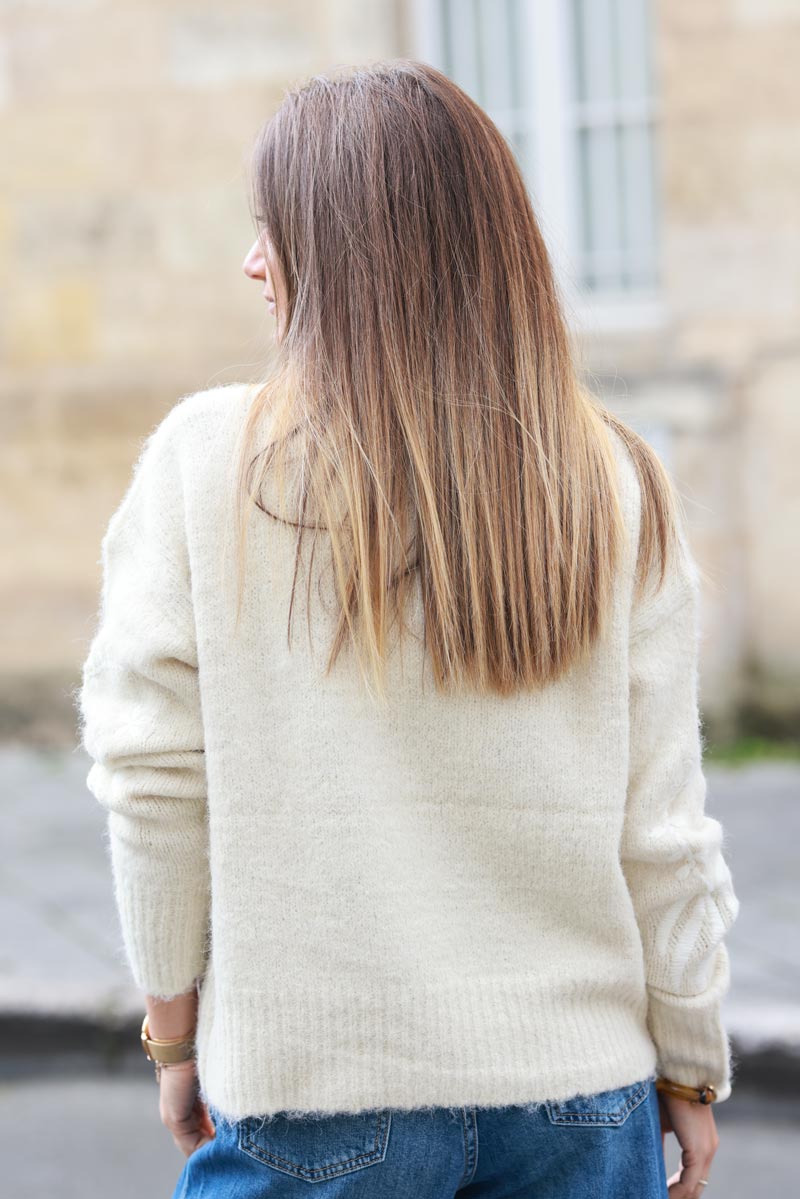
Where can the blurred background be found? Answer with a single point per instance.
(659, 140)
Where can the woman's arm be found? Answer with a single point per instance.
(678, 878)
(181, 1108)
(142, 724)
(672, 850)
(168, 1019)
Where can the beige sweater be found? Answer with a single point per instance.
(456, 900)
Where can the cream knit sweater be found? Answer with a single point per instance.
(454, 900)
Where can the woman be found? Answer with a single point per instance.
(424, 902)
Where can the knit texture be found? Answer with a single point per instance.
(448, 900)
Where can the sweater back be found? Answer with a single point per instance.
(448, 899)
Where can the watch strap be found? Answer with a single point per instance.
(704, 1094)
(166, 1051)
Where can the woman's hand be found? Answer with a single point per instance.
(694, 1126)
(181, 1108)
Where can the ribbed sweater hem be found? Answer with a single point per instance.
(477, 1043)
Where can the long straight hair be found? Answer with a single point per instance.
(425, 391)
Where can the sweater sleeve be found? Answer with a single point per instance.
(141, 723)
(672, 851)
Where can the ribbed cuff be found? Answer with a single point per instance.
(690, 1036)
(164, 921)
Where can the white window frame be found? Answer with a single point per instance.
(554, 190)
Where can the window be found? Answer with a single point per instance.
(570, 83)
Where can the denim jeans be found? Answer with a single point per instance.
(603, 1146)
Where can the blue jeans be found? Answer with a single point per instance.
(603, 1146)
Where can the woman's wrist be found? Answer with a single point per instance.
(187, 1067)
(705, 1094)
(172, 1019)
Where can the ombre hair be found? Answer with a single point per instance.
(425, 389)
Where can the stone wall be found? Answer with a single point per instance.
(719, 379)
(125, 131)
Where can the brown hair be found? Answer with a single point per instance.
(425, 373)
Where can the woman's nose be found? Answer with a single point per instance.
(254, 264)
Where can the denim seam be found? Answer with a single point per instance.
(608, 1119)
(469, 1174)
(368, 1158)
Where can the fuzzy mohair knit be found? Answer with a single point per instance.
(452, 899)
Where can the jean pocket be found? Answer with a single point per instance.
(606, 1108)
(319, 1147)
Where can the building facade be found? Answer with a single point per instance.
(659, 141)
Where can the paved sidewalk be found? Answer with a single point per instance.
(61, 955)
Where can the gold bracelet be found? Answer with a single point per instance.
(166, 1051)
(704, 1094)
(160, 1066)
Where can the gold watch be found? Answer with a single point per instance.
(704, 1094)
(165, 1052)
